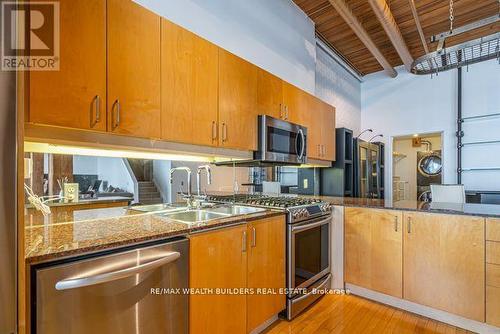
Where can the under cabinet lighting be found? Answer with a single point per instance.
(112, 153)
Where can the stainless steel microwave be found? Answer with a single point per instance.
(281, 141)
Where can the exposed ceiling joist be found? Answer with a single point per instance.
(418, 24)
(386, 19)
(345, 12)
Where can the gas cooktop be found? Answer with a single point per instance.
(265, 201)
(298, 208)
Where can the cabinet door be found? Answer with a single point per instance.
(74, 96)
(328, 132)
(218, 259)
(189, 76)
(296, 104)
(269, 95)
(266, 269)
(374, 250)
(444, 263)
(133, 70)
(313, 120)
(237, 102)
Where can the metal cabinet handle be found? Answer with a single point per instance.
(79, 282)
(117, 107)
(286, 112)
(244, 241)
(214, 130)
(254, 237)
(97, 110)
(281, 110)
(396, 223)
(409, 224)
(224, 132)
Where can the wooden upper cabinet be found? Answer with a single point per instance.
(74, 96)
(269, 95)
(218, 259)
(189, 76)
(374, 250)
(328, 132)
(296, 103)
(313, 119)
(133, 70)
(237, 102)
(266, 269)
(444, 263)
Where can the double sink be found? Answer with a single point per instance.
(207, 212)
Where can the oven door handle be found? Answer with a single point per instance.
(304, 227)
(319, 287)
(303, 140)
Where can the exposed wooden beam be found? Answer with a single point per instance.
(386, 19)
(418, 24)
(345, 12)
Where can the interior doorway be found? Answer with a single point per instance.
(417, 162)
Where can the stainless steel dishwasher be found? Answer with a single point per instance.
(128, 291)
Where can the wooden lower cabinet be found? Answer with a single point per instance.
(266, 269)
(246, 256)
(444, 263)
(218, 259)
(374, 250)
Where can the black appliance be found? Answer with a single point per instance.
(338, 180)
(368, 179)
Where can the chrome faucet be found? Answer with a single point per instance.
(198, 174)
(188, 171)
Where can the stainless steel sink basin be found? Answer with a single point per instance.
(158, 207)
(194, 216)
(235, 210)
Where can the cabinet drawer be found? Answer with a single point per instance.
(493, 275)
(493, 306)
(493, 252)
(493, 229)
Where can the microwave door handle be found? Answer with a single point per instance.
(303, 139)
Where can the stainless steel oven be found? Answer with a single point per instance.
(309, 262)
(281, 141)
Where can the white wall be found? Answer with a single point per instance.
(339, 88)
(411, 104)
(161, 178)
(112, 170)
(274, 35)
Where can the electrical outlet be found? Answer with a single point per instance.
(28, 168)
(306, 183)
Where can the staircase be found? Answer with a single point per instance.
(148, 194)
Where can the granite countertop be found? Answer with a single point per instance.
(86, 201)
(472, 209)
(59, 236)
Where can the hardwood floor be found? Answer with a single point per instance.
(352, 314)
